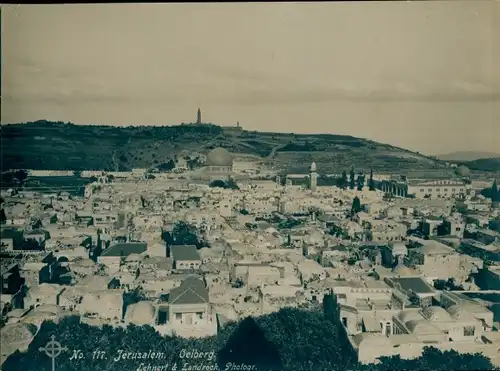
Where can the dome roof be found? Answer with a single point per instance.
(436, 314)
(219, 157)
(463, 170)
(141, 313)
(18, 332)
(421, 327)
(407, 316)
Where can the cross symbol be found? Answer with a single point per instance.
(53, 349)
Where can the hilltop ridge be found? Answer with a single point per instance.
(57, 145)
(467, 156)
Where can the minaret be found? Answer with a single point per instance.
(198, 120)
(313, 177)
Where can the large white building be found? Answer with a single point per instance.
(437, 188)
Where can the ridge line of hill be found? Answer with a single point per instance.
(60, 146)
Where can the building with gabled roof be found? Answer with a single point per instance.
(125, 249)
(189, 305)
(113, 256)
(185, 257)
(191, 291)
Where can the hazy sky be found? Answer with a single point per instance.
(420, 75)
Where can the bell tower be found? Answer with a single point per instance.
(313, 177)
(198, 118)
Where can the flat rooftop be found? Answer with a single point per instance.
(415, 284)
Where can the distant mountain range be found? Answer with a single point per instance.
(465, 156)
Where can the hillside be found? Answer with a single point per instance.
(57, 145)
(484, 164)
(466, 156)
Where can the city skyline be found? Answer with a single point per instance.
(398, 73)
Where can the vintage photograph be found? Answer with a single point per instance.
(273, 186)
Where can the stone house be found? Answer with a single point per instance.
(185, 257)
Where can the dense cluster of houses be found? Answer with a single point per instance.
(265, 246)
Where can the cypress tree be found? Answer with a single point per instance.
(371, 183)
(361, 181)
(351, 178)
(343, 180)
(495, 194)
(356, 205)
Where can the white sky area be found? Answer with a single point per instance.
(419, 75)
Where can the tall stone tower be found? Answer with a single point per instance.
(313, 177)
(198, 119)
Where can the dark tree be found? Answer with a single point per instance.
(443, 229)
(337, 231)
(342, 181)
(231, 184)
(319, 343)
(361, 181)
(495, 193)
(237, 283)
(167, 166)
(248, 345)
(492, 193)
(21, 175)
(494, 225)
(185, 234)
(356, 205)
(330, 308)
(433, 359)
(217, 184)
(371, 183)
(352, 180)
(167, 237)
(451, 285)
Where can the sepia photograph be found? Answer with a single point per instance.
(271, 186)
